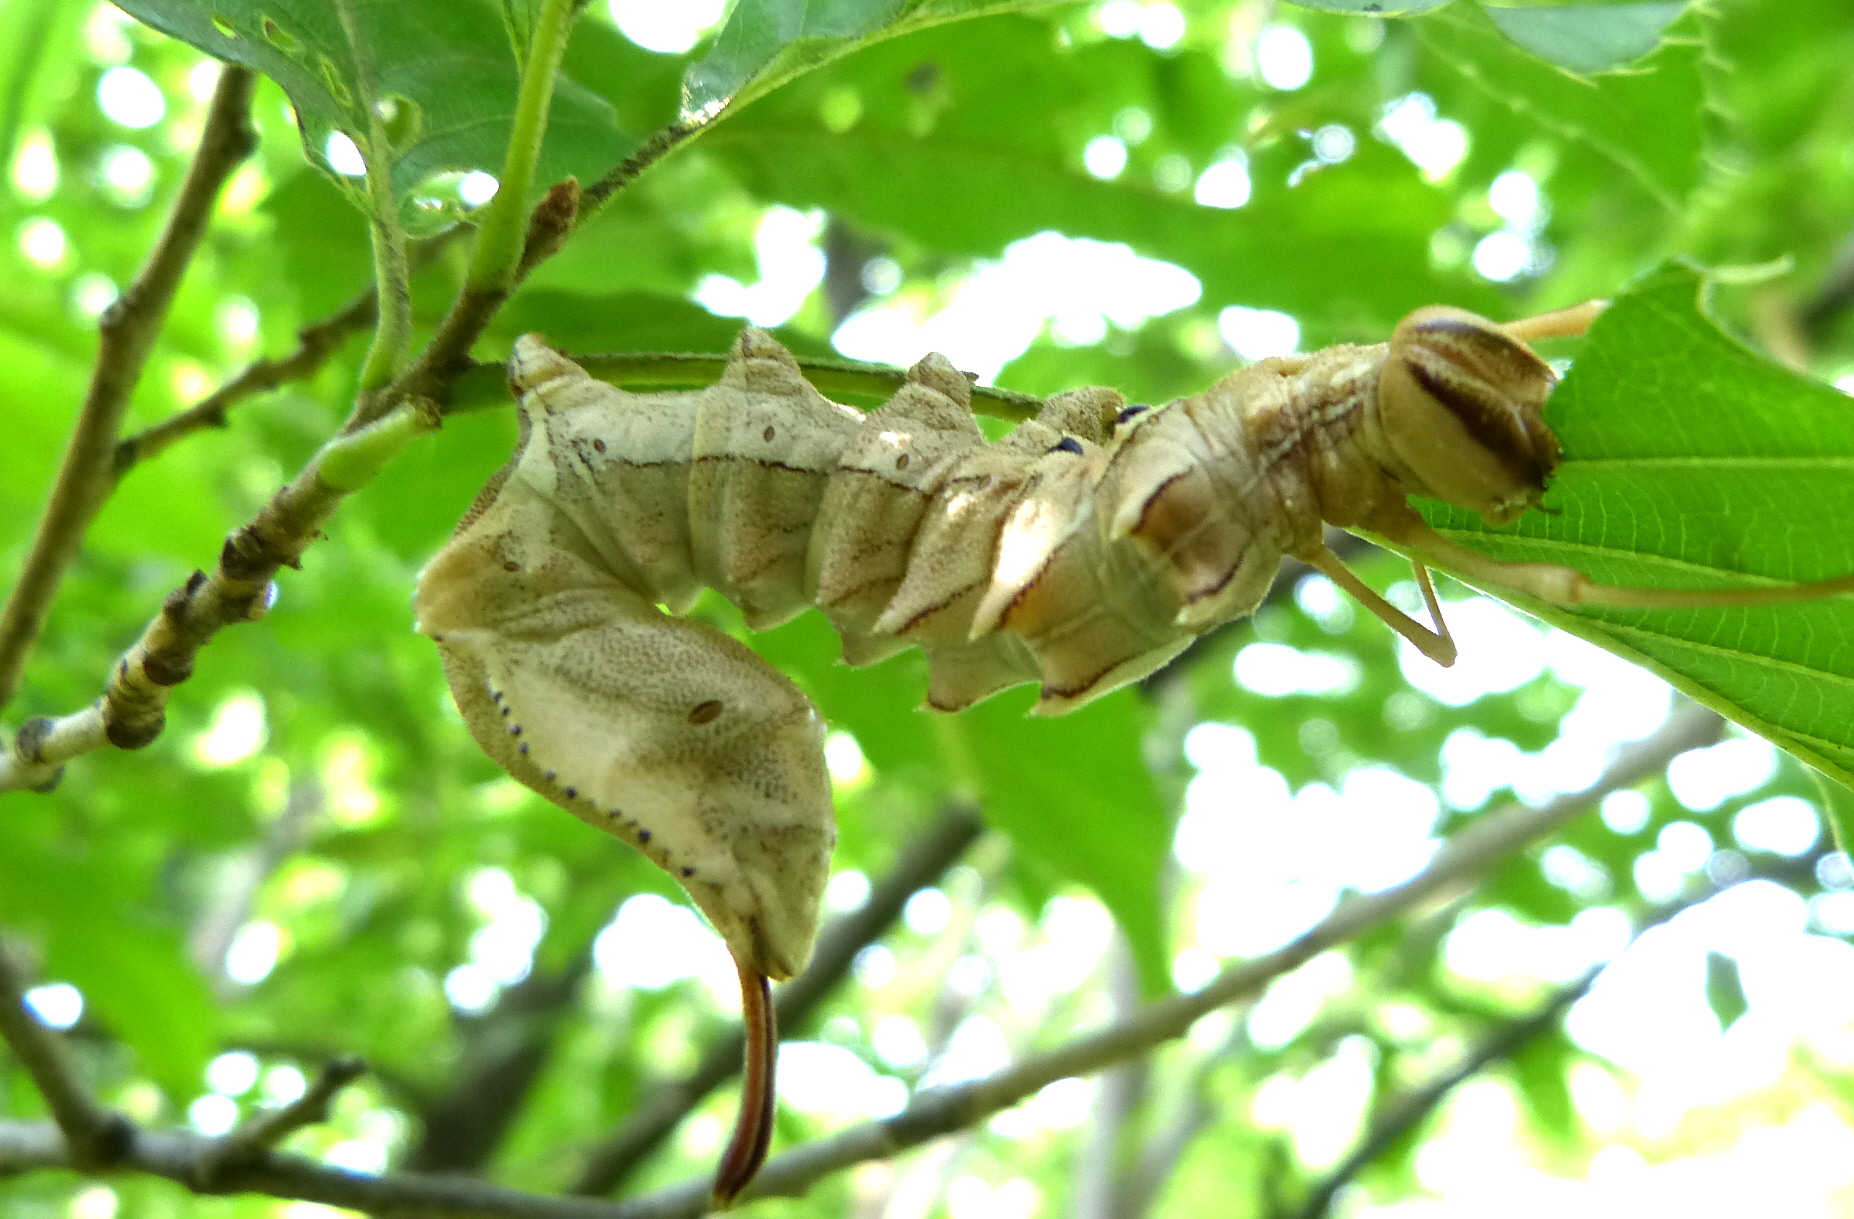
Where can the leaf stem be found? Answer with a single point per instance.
(502, 232)
(485, 386)
(392, 334)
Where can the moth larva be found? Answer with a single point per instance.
(1081, 552)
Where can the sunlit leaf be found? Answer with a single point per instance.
(766, 43)
(408, 60)
(1588, 38)
(1692, 461)
(1648, 120)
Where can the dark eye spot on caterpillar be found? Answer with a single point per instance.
(1068, 444)
(768, 433)
(901, 462)
(598, 446)
(706, 713)
(1129, 414)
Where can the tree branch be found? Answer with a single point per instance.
(127, 332)
(559, 212)
(504, 1051)
(133, 709)
(480, 386)
(632, 167)
(90, 1136)
(1482, 846)
(920, 863)
(1409, 1110)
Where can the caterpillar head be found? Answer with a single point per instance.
(1461, 405)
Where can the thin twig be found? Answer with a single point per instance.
(920, 863)
(269, 1128)
(447, 356)
(559, 213)
(1470, 855)
(315, 344)
(504, 1052)
(632, 167)
(1408, 1111)
(93, 1137)
(127, 332)
(482, 386)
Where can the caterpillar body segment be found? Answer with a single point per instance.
(1083, 551)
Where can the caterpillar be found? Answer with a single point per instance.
(1082, 552)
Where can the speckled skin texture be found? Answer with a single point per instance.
(1081, 552)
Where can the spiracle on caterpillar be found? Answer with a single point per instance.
(1083, 551)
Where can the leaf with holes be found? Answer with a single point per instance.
(443, 74)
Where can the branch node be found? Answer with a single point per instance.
(135, 732)
(163, 671)
(550, 224)
(30, 737)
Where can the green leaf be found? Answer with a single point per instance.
(1725, 989)
(145, 990)
(1589, 38)
(1075, 794)
(1349, 242)
(766, 43)
(37, 41)
(414, 57)
(1649, 121)
(1690, 460)
(1367, 8)
(1539, 1067)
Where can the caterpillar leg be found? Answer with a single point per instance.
(1436, 644)
(1569, 587)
